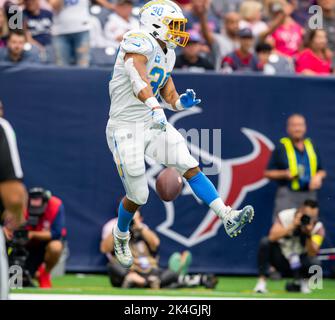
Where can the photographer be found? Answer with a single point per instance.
(41, 239)
(145, 271)
(292, 246)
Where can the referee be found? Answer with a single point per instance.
(12, 195)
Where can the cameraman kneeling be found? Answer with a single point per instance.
(44, 232)
(292, 246)
(145, 271)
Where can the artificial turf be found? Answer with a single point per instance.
(228, 287)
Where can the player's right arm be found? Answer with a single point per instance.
(136, 68)
(138, 49)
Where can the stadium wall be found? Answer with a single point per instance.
(60, 116)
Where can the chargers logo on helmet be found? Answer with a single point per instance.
(165, 21)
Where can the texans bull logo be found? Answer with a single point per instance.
(236, 178)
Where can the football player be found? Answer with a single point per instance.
(137, 125)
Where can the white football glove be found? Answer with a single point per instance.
(159, 120)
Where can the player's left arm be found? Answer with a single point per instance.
(173, 101)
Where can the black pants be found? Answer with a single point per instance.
(270, 254)
(36, 253)
(117, 273)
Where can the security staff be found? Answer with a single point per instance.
(12, 195)
(296, 166)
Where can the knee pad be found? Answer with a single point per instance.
(185, 160)
(139, 195)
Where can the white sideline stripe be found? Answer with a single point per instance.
(14, 153)
(28, 296)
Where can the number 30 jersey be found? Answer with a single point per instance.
(125, 106)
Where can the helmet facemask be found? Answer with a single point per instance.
(176, 34)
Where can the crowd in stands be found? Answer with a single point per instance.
(264, 36)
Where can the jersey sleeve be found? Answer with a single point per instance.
(137, 42)
(10, 165)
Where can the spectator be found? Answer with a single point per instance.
(145, 271)
(328, 9)
(242, 59)
(296, 166)
(251, 14)
(184, 4)
(38, 23)
(301, 8)
(15, 51)
(120, 21)
(192, 16)
(288, 36)
(190, 57)
(316, 58)
(46, 234)
(220, 8)
(3, 28)
(292, 246)
(271, 62)
(97, 38)
(224, 42)
(71, 30)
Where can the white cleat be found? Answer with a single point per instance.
(122, 250)
(261, 286)
(235, 220)
(304, 287)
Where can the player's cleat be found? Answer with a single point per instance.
(122, 250)
(261, 286)
(235, 220)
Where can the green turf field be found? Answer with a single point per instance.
(228, 287)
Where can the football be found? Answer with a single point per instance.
(169, 184)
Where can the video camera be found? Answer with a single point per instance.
(305, 220)
(18, 254)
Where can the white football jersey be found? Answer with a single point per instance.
(125, 107)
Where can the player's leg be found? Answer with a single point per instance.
(233, 220)
(169, 148)
(127, 147)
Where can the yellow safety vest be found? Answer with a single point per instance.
(293, 163)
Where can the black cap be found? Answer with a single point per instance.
(245, 33)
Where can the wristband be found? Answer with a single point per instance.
(152, 103)
(178, 105)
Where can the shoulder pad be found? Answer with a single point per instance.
(137, 42)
